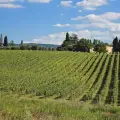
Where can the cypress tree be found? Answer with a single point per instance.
(67, 37)
(119, 46)
(5, 41)
(21, 42)
(1, 42)
(115, 45)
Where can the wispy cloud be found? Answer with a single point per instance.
(57, 38)
(8, 1)
(40, 1)
(62, 25)
(66, 3)
(10, 5)
(91, 4)
(106, 21)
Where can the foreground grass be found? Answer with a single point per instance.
(17, 107)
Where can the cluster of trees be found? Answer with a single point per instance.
(4, 44)
(116, 45)
(34, 47)
(73, 43)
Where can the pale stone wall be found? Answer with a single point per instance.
(92, 50)
(109, 49)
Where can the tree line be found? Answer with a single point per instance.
(73, 43)
(4, 44)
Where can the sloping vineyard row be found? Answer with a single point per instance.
(90, 77)
(89, 95)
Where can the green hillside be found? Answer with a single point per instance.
(70, 76)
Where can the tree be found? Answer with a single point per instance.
(90, 41)
(69, 41)
(66, 41)
(5, 41)
(22, 46)
(34, 47)
(59, 48)
(1, 42)
(11, 43)
(115, 45)
(94, 42)
(73, 39)
(21, 42)
(82, 45)
(119, 46)
(100, 48)
(67, 37)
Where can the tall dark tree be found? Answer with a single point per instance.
(115, 45)
(1, 42)
(21, 42)
(22, 46)
(5, 41)
(119, 46)
(67, 37)
(66, 41)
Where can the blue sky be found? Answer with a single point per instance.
(47, 21)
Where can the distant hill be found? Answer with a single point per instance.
(49, 45)
(42, 45)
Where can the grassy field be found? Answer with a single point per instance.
(59, 85)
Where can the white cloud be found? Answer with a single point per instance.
(57, 38)
(66, 3)
(104, 21)
(40, 1)
(9, 5)
(7, 1)
(91, 4)
(114, 27)
(92, 25)
(107, 29)
(102, 18)
(101, 21)
(62, 25)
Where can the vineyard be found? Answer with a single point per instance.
(89, 77)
